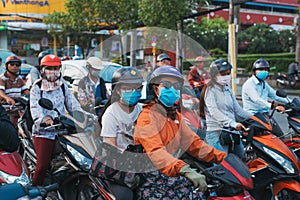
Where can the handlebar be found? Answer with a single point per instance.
(42, 191)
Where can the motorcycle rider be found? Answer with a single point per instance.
(91, 88)
(50, 87)
(221, 113)
(256, 92)
(198, 76)
(12, 85)
(162, 60)
(164, 135)
(293, 72)
(35, 73)
(119, 115)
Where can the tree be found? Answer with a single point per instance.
(210, 33)
(261, 38)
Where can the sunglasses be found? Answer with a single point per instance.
(168, 84)
(15, 64)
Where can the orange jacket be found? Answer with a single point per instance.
(164, 139)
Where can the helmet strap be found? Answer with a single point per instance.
(14, 74)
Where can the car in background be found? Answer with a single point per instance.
(74, 70)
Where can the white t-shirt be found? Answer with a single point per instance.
(117, 123)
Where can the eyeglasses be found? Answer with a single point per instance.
(199, 62)
(15, 64)
(168, 84)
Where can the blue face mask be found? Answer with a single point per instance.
(262, 75)
(168, 96)
(131, 98)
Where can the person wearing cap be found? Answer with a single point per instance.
(198, 76)
(91, 88)
(256, 92)
(119, 115)
(221, 108)
(12, 85)
(51, 87)
(164, 135)
(162, 60)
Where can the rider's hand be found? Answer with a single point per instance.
(240, 127)
(48, 120)
(197, 179)
(10, 101)
(196, 84)
(280, 109)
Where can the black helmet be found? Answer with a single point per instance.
(162, 57)
(41, 55)
(166, 71)
(221, 65)
(127, 75)
(260, 64)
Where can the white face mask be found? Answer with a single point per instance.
(188, 103)
(224, 80)
(52, 75)
(95, 73)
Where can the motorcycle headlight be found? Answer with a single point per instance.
(22, 179)
(286, 164)
(82, 160)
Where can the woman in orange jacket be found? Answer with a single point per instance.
(164, 135)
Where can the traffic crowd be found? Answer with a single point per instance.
(157, 123)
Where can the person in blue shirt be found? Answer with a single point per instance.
(256, 92)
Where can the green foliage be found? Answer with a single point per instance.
(210, 33)
(278, 60)
(261, 39)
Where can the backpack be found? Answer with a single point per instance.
(27, 114)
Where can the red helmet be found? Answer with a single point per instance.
(50, 60)
(13, 59)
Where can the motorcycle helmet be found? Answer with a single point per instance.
(41, 55)
(13, 59)
(94, 63)
(218, 66)
(50, 60)
(162, 57)
(126, 75)
(260, 64)
(166, 71)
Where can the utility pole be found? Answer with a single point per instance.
(232, 52)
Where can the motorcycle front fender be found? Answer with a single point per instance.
(286, 184)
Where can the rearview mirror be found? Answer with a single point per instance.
(46, 103)
(281, 93)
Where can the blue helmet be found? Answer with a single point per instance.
(166, 71)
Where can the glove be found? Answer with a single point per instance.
(197, 179)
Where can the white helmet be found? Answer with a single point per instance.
(94, 62)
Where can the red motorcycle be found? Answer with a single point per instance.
(13, 169)
(274, 167)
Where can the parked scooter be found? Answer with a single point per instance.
(284, 81)
(18, 191)
(74, 152)
(274, 167)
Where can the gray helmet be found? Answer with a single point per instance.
(127, 75)
(221, 65)
(260, 64)
(162, 57)
(166, 71)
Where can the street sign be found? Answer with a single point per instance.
(153, 39)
